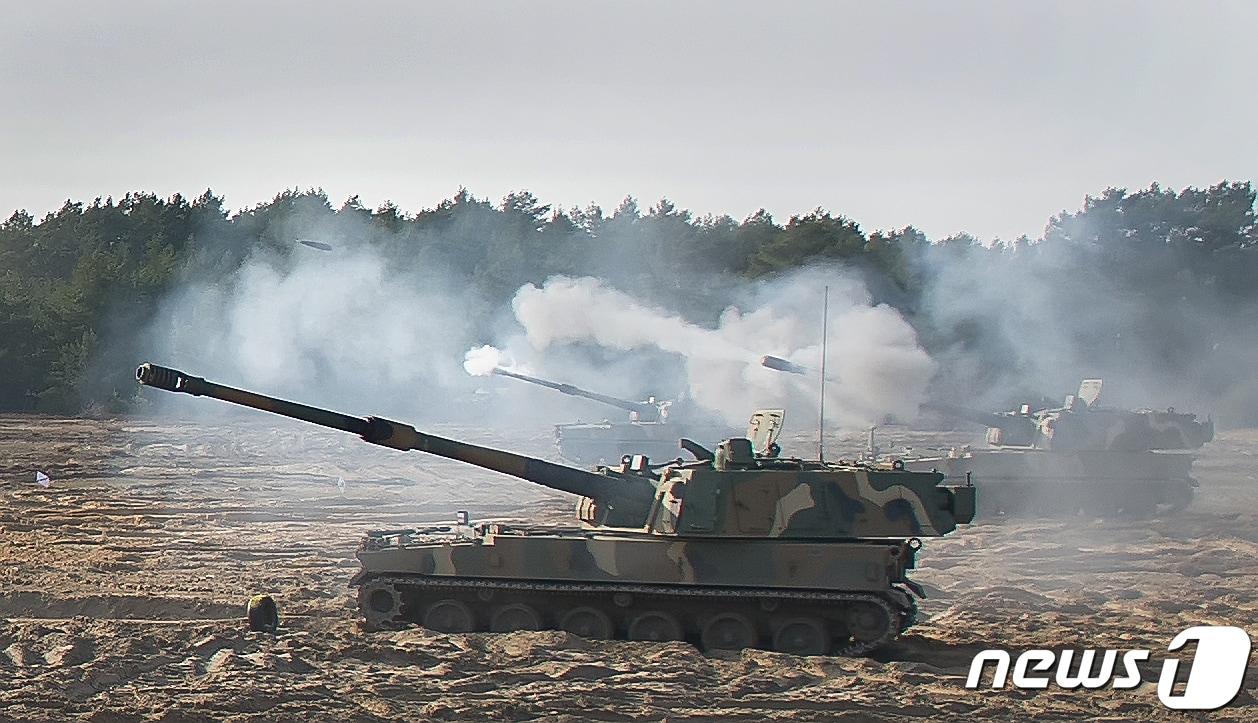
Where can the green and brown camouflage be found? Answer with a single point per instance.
(738, 548)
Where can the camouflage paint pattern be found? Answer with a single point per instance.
(784, 499)
(500, 553)
(737, 494)
(733, 549)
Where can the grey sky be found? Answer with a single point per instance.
(987, 117)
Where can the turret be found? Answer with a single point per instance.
(648, 411)
(731, 493)
(617, 500)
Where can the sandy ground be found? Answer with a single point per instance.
(123, 587)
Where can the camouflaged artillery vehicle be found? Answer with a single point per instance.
(652, 428)
(1080, 456)
(731, 550)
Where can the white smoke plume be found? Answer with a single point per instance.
(348, 330)
(876, 367)
(338, 329)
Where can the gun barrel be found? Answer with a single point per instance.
(173, 380)
(385, 432)
(1020, 428)
(645, 410)
(970, 415)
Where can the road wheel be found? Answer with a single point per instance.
(728, 631)
(802, 636)
(590, 623)
(656, 626)
(1181, 497)
(867, 622)
(515, 616)
(449, 616)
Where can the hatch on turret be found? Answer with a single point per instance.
(763, 430)
(1090, 391)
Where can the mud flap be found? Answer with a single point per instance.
(917, 589)
(907, 607)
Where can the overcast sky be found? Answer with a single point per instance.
(980, 116)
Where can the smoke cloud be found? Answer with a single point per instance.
(341, 329)
(875, 365)
(1029, 323)
(389, 326)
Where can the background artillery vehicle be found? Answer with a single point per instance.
(1079, 456)
(731, 550)
(653, 427)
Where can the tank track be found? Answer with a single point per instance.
(395, 601)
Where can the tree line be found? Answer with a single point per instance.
(1181, 265)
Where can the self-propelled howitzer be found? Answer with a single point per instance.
(731, 550)
(1079, 456)
(652, 428)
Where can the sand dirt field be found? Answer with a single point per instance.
(122, 589)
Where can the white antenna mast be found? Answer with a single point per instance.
(821, 416)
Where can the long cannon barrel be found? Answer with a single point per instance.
(645, 410)
(987, 419)
(600, 488)
(1020, 427)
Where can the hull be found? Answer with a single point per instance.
(806, 597)
(1030, 482)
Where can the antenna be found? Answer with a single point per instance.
(821, 414)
